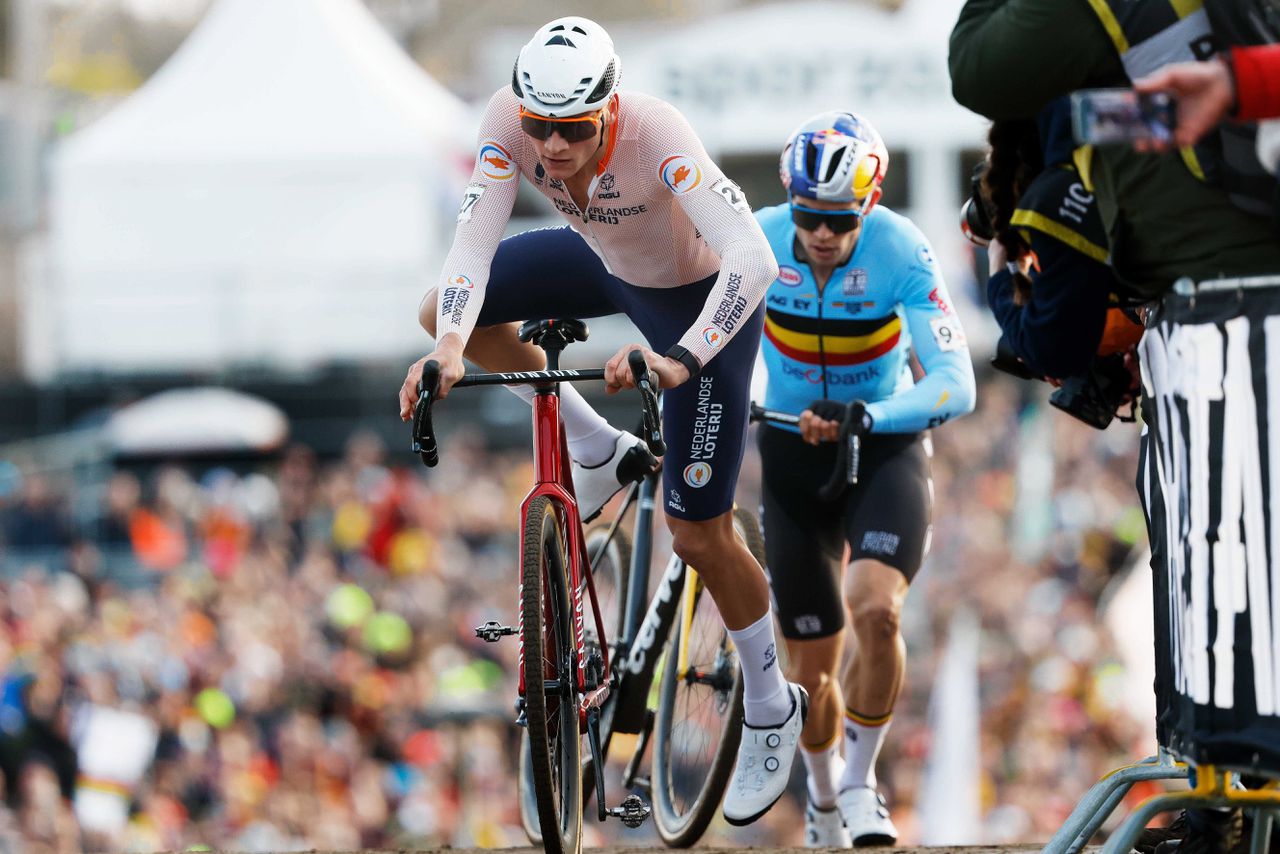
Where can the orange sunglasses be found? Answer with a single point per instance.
(571, 129)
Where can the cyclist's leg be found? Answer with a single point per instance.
(804, 546)
(548, 272)
(887, 526)
(705, 423)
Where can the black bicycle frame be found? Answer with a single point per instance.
(637, 651)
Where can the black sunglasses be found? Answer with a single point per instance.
(575, 129)
(840, 222)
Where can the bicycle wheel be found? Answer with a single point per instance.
(611, 572)
(699, 722)
(553, 739)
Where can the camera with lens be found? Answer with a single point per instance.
(975, 216)
(1096, 396)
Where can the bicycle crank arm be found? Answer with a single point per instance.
(633, 811)
(597, 758)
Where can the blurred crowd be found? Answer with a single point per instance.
(281, 656)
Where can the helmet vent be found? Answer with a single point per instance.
(558, 28)
(810, 159)
(577, 29)
(515, 80)
(605, 86)
(561, 40)
(834, 165)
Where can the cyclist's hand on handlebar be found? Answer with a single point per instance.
(449, 356)
(617, 373)
(822, 420)
(819, 424)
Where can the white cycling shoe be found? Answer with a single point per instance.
(825, 828)
(595, 485)
(764, 763)
(866, 817)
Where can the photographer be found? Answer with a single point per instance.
(1050, 287)
(1172, 217)
(1011, 58)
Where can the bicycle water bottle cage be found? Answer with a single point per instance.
(553, 334)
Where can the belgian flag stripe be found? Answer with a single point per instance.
(831, 342)
(828, 326)
(833, 358)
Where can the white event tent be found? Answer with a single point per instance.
(281, 192)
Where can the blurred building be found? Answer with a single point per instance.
(73, 312)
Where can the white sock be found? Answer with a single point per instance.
(863, 738)
(766, 701)
(825, 767)
(591, 438)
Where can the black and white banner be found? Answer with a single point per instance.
(1213, 407)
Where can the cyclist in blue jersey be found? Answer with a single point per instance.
(858, 291)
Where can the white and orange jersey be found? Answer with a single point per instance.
(660, 214)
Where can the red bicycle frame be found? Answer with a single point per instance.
(553, 478)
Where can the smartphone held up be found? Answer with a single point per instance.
(1122, 117)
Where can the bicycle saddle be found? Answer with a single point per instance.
(554, 334)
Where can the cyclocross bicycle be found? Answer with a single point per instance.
(698, 720)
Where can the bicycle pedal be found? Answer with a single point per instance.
(493, 631)
(633, 811)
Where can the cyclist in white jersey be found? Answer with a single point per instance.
(656, 231)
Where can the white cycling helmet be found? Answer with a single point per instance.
(835, 156)
(568, 68)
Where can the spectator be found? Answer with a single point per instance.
(313, 739)
(37, 520)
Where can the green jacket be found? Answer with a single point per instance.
(1011, 57)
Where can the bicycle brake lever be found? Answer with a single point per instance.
(855, 455)
(647, 383)
(424, 438)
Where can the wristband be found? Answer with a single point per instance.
(684, 357)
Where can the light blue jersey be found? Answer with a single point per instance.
(851, 341)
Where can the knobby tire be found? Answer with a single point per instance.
(682, 812)
(553, 739)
